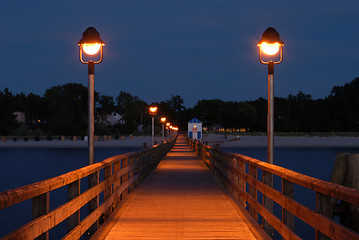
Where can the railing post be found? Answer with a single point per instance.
(108, 191)
(117, 183)
(268, 203)
(93, 180)
(41, 206)
(252, 191)
(241, 166)
(324, 207)
(288, 190)
(73, 190)
(124, 178)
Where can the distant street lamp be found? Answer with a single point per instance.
(91, 44)
(269, 46)
(168, 129)
(153, 112)
(163, 121)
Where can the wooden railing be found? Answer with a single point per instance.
(239, 174)
(121, 174)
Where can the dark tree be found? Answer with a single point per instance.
(7, 119)
(132, 109)
(66, 109)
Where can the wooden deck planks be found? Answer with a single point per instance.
(181, 201)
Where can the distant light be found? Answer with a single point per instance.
(163, 120)
(168, 124)
(270, 48)
(91, 48)
(153, 110)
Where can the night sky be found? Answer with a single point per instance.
(198, 49)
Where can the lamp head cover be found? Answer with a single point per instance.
(91, 35)
(271, 35)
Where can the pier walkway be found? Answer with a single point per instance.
(180, 201)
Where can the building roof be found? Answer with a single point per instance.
(195, 120)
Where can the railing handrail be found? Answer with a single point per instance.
(231, 169)
(23, 193)
(341, 192)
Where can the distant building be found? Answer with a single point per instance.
(115, 118)
(195, 129)
(20, 116)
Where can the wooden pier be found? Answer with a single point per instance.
(181, 201)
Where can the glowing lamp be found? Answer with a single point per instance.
(153, 110)
(270, 44)
(170, 127)
(163, 119)
(91, 48)
(91, 44)
(168, 124)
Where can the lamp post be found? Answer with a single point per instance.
(163, 121)
(91, 44)
(270, 53)
(153, 112)
(269, 47)
(168, 129)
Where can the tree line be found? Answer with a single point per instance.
(62, 110)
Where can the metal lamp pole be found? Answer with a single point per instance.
(153, 130)
(270, 118)
(91, 111)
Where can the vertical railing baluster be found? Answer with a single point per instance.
(267, 202)
(124, 178)
(93, 180)
(117, 182)
(288, 190)
(241, 183)
(108, 191)
(252, 191)
(73, 190)
(323, 206)
(41, 206)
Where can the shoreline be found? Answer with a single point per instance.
(231, 141)
(242, 141)
(134, 142)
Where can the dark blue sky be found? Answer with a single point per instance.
(199, 49)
